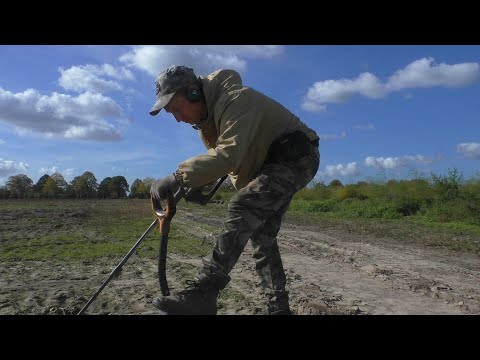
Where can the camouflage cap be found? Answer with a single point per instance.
(168, 82)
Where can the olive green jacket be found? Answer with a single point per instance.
(239, 129)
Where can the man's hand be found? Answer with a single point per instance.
(160, 187)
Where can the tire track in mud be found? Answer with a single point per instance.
(384, 278)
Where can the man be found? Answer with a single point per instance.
(268, 153)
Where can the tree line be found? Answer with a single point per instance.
(85, 186)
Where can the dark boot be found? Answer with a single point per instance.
(198, 298)
(278, 304)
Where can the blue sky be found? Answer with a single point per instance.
(381, 110)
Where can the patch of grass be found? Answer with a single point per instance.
(44, 251)
(87, 229)
(218, 210)
(233, 295)
(186, 245)
(457, 237)
(452, 227)
(223, 195)
(310, 206)
(183, 271)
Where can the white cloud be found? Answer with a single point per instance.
(339, 91)
(368, 126)
(53, 169)
(424, 73)
(2, 142)
(202, 58)
(10, 167)
(92, 78)
(420, 73)
(87, 116)
(471, 150)
(342, 135)
(313, 106)
(254, 51)
(48, 171)
(394, 162)
(334, 171)
(68, 172)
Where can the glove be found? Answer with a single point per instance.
(160, 187)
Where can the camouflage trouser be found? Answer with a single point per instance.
(256, 213)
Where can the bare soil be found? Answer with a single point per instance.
(329, 271)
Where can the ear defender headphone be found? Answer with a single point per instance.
(193, 95)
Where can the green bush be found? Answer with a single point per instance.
(310, 206)
(448, 186)
(470, 193)
(371, 208)
(319, 191)
(408, 207)
(451, 211)
(350, 192)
